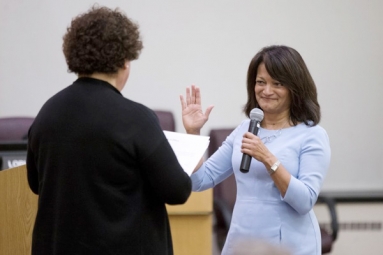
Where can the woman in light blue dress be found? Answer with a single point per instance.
(290, 154)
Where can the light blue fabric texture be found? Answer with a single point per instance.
(260, 210)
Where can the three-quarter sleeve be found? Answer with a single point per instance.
(314, 160)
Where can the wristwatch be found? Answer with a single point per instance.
(274, 167)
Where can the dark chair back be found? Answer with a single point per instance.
(15, 128)
(226, 190)
(329, 235)
(166, 119)
(13, 140)
(224, 193)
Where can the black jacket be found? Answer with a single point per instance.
(103, 170)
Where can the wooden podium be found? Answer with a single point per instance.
(191, 223)
(18, 207)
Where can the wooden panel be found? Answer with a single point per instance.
(191, 234)
(191, 223)
(18, 207)
(198, 203)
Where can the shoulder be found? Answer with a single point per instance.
(141, 111)
(242, 128)
(312, 136)
(312, 131)
(306, 134)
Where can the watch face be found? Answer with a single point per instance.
(274, 167)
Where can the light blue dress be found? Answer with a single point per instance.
(260, 211)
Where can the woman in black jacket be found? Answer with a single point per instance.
(100, 163)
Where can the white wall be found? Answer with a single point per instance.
(210, 43)
(359, 226)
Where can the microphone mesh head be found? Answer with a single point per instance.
(256, 114)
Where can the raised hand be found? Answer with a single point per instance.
(193, 118)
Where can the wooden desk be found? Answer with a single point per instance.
(191, 223)
(18, 207)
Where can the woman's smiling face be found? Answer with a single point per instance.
(271, 95)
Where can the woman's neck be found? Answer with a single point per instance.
(111, 79)
(276, 122)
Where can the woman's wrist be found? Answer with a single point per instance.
(193, 131)
(270, 161)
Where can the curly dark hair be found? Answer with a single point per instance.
(100, 41)
(286, 65)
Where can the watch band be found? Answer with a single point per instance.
(274, 167)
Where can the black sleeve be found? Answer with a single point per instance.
(32, 173)
(166, 175)
(159, 162)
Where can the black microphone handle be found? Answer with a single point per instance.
(246, 159)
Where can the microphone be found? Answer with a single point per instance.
(256, 116)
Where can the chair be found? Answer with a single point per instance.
(166, 119)
(329, 236)
(15, 128)
(13, 140)
(224, 195)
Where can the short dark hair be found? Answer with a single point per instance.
(286, 65)
(100, 41)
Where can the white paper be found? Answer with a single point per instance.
(189, 149)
